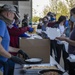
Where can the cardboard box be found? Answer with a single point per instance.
(39, 48)
(1, 73)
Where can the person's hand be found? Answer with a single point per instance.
(63, 35)
(31, 29)
(66, 28)
(25, 56)
(62, 38)
(17, 60)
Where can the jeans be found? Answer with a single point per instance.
(59, 48)
(53, 47)
(8, 67)
(4, 65)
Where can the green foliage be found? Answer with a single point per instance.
(46, 10)
(35, 18)
(59, 8)
(71, 3)
(62, 10)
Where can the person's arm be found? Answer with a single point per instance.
(3, 52)
(13, 49)
(6, 54)
(71, 42)
(17, 31)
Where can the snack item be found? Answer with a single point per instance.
(43, 67)
(50, 73)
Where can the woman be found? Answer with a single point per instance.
(60, 45)
(71, 41)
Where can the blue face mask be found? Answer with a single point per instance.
(72, 18)
(52, 18)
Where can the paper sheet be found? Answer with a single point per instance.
(35, 36)
(39, 30)
(71, 58)
(53, 33)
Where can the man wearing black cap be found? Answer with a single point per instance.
(7, 15)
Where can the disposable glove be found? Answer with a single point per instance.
(31, 29)
(17, 60)
(25, 56)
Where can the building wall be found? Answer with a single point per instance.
(6, 2)
(25, 7)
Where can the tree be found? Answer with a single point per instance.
(35, 18)
(53, 5)
(57, 7)
(71, 3)
(46, 10)
(62, 9)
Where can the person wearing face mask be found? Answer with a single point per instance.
(72, 21)
(40, 24)
(59, 45)
(52, 21)
(67, 25)
(71, 39)
(72, 18)
(49, 16)
(15, 32)
(25, 21)
(53, 17)
(7, 15)
(45, 23)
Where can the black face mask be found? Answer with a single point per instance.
(45, 22)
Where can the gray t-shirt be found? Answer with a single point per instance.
(71, 49)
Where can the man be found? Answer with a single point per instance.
(25, 20)
(7, 15)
